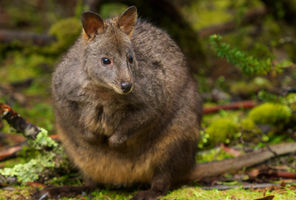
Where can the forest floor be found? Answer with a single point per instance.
(184, 193)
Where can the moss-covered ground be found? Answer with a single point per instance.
(184, 193)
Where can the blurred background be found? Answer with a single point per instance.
(237, 50)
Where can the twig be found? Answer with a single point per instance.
(286, 174)
(16, 121)
(268, 172)
(7, 36)
(231, 106)
(253, 16)
(247, 186)
(9, 152)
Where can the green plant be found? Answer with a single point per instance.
(45, 156)
(271, 113)
(221, 130)
(248, 64)
(66, 32)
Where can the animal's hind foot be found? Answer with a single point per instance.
(147, 195)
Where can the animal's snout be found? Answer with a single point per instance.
(126, 86)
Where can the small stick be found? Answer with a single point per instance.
(245, 186)
(231, 106)
(16, 121)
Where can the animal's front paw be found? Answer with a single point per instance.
(146, 195)
(116, 140)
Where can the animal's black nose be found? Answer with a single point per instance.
(126, 86)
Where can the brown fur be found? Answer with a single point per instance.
(146, 135)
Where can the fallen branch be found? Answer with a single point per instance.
(231, 106)
(245, 186)
(290, 175)
(252, 17)
(16, 121)
(217, 168)
(7, 36)
(271, 173)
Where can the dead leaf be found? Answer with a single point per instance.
(230, 151)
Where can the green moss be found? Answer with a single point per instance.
(66, 179)
(20, 67)
(198, 14)
(204, 13)
(222, 129)
(66, 32)
(211, 155)
(290, 100)
(40, 87)
(183, 193)
(42, 140)
(250, 132)
(14, 161)
(270, 113)
(248, 125)
(112, 195)
(42, 161)
(16, 193)
(191, 193)
(31, 170)
(112, 9)
(247, 88)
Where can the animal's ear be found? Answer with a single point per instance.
(92, 24)
(127, 20)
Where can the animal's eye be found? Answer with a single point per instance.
(130, 59)
(106, 61)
